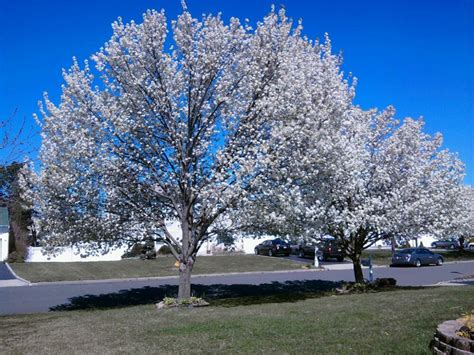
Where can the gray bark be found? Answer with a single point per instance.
(358, 274)
(185, 270)
(187, 258)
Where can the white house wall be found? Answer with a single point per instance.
(3, 246)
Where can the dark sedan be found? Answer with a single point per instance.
(273, 247)
(416, 257)
(327, 249)
(446, 244)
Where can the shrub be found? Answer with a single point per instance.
(15, 257)
(142, 250)
(165, 250)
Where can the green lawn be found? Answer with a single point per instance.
(383, 256)
(393, 322)
(162, 266)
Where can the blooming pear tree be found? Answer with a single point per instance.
(157, 134)
(369, 179)
(462, 207)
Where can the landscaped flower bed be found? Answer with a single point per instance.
(467, 329)
(170, 302)
(454, 337)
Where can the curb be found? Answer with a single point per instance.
(459, 262)
(16, 276)
(75, 282)
(455, 282)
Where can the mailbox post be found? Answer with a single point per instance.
(371, 271)
(368, 262)
(316, 260)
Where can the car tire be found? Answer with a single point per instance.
(471, 247)
(256, 251)
(340, 258)
(439, 262)
(270, 253)
(434, 245)
(418, 263)
(451, 246)
(301, 254)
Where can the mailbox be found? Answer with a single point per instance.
(365, 262)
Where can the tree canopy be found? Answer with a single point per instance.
(221, 127)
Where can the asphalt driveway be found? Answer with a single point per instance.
(5, 273)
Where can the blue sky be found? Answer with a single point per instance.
(417, 55)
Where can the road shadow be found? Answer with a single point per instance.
(218, 294)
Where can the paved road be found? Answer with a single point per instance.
(63, 296)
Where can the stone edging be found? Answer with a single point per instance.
(446, 341)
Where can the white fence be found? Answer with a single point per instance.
(246, 245)
(67, 254)
(35, 254)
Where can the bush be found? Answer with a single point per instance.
(15, 257)
(142, 250)
(377, 285)
(165, 250)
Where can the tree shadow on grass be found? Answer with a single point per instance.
(218, 295)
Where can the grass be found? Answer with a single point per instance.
(383, 256)
(161, 266)
(394, 322)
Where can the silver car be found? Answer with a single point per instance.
(416, 257)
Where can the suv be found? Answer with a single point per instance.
(327, 249)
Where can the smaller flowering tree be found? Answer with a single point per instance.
(462, 207)
(369, 179)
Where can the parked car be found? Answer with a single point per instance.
(416, 257)
(273, 247)
(452, 243)
(327, 249)
(470, 244)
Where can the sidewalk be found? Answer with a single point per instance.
(348, 265)
(456, 282)
(13, 283)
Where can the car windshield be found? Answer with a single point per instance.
(406, 251)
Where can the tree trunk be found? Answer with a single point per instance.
(393, 243)
(358, 274)
(187, 258)
(185, 270)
